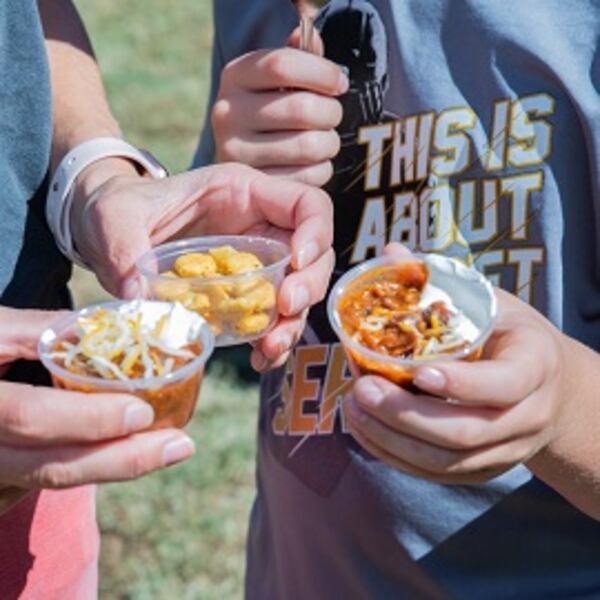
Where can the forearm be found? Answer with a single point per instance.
(570, 463)
(80, 107)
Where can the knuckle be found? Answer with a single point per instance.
(20, 418)
(55, 476)
(459, 385)
(230, 150)
(220, 115)
(136, 465)
(277, 65)
(465, 437)
(102, 423)
(229, 75)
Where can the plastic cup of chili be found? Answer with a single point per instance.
(471, 293)
(239, 307)
(173, 397)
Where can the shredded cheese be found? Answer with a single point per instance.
(114, 346)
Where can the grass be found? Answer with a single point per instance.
(178, 534)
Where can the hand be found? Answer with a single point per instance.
(51, 438)
(277, 111)
(504, 410)
(123, 217)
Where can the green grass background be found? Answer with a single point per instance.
(178, 534)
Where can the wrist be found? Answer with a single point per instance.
(78, 180)
(568, 463)
(576, 419)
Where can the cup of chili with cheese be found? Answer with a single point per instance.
(393, 315)
(154, 350)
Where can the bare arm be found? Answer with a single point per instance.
(80, 108)
(570, 463)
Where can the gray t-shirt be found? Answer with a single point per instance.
(32, 271)
(472, 128)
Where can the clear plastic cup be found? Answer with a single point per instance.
(239, 308)
(470, 291)
(173, 396)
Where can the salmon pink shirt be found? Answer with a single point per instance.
(49, 547)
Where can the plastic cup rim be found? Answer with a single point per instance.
(53, 332)
(177, 247)
(366, 266)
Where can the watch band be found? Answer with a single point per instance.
(60, 194)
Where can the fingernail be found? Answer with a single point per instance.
(308, 254)
(284, 343)
(343, 84)
(177, 450)
(131, 289)
(430, 379)
(138, 416)
(368, 393)
(300, 299)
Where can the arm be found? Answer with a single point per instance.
(80, 107)
(118, 215)
(570, 463)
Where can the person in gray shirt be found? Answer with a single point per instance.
(464, 128)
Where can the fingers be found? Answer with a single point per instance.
(447, 425)
(285, 68)
(302, 289)
(20, 332)
(276, 111)
(274, 348)
(315, 175)
(515, 372)
(282, 148)
(42, 416)
(454, 476)
(74, 465)
(305, 210)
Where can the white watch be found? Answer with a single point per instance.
(60, 193)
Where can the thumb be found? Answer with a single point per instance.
(295, 39)
(20, 331)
